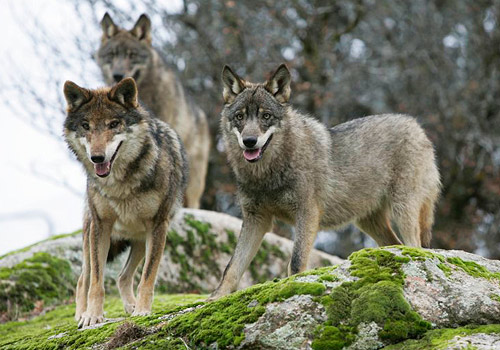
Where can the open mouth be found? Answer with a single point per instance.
(253, 155)
(103, 169)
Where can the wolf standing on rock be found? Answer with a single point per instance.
(129, 53)
(369, 171)
(136, 176)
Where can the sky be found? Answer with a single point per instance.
(41, 186)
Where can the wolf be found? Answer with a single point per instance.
(369, 171)
(137, 173)
(129, 53)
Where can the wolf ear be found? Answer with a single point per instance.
(232, 84)
(75, 95)
(109, 28)
(125, 93)
(279, 84)
(142, 28)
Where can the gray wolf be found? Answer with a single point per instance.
(129, 53)
(289, 166)
(136, 175)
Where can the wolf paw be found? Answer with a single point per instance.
(89, 320)
(141, 313)
(129, 308)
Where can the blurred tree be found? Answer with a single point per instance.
(438, 60)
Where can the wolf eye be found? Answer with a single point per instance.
(114, 124)
(86, 126)
(239, 116)
(266, 116)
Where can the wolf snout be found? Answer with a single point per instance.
(250, 141)
(97, 159)
(118, 77)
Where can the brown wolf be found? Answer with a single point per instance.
(129, 53)
(368, 171)
(136, 176)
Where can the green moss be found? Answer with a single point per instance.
(377, 296)
(439, 339)
(445, 268)
(41, 278)
(34, 334)
(223, 321)
(495, 297)
(419, 253)
(473, 269)
(319, 271)
(328, 278)
(231, 238)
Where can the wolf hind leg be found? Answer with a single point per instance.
(126, 277)
(426, 220)
(406, 217)
(378, 226)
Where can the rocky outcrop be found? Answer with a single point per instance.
(200, 244)
(386, 298)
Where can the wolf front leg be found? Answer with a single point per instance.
(253, 230)
(99, 241)
(155, 244)
(82, 288)
(307, 223)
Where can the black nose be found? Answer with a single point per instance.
(250, 141)
(118, 77)
(97, 159)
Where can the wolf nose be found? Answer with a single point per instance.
(97, 159)
(118, 77)
(250, 141)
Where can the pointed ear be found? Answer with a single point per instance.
(142, 29)
(109, 28)
(125, 93)
(75, 95)
(279, 84)
(232, 84)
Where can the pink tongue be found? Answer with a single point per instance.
(251, 154)
(102, 168)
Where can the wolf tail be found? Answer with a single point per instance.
(116, 248)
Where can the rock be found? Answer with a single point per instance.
(385, 298)
(199, 245)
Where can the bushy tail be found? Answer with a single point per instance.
(116, 248)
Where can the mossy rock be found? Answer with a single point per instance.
(363, 303)
(37, 282)
(199, 245)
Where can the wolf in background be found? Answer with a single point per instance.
(129, 53)
(369, 171)
(136, 177)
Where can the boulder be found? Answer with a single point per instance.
(199, 245)
(380, 298)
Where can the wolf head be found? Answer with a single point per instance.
(125, 53)
(253, 113)
(99, 122)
